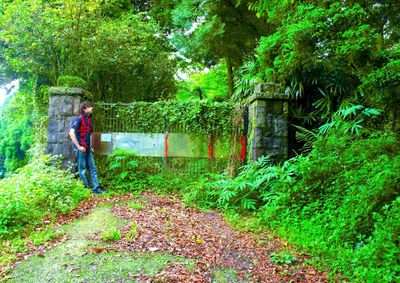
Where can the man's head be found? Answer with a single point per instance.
(86, 107)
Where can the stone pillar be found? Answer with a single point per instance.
(268, 127)
(63, 108)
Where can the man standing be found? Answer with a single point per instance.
(82, 138)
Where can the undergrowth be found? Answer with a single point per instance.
(38, 189)
(340, 202)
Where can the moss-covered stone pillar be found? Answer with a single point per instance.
(63, 108)
(268, 123)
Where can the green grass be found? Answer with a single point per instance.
(74, 261)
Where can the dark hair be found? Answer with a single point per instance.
(84, 105)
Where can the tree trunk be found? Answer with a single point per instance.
(230, 76)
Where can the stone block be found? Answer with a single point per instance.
(53, 126)
(256, 153)
(280, 126)
(70, 91)
(260, 118)
(66, 106)
(274, 107)
(260, 103)
(267, 88)
(69, 121)
(271, 143)
(258, 137)
(56, 149)
(53, 137)
(62, 149)
(65, 150)
(54, 102)
(269, 121)
(77, 102)
(56, 126)
(54, 113)
(49, 148)
(268, 91)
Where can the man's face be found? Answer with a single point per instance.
(89, 110)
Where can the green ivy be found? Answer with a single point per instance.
(200, 117)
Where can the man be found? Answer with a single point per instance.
(82, 138)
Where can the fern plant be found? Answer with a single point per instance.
(121, 161)
(350, 119)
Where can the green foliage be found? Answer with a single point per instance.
(22, 126)
(136, 206)
(38, 189)
(118, 159)
(15, 140)
(71, 81)
(244, 192)
(326, 53)
(126, 172)
(41, 237)
(378, 255)
(207, 31)
(207, 85)
(120, 174)
(282, 258)
(334, 197)
(133, 232)
(112, 235)
(350, 119)
(120, 54)
(340, 202)
(200, 117)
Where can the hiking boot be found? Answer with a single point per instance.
(98, 191)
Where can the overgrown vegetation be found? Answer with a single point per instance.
(201, 118)
(337, 197)
(340, 202)
(125, 172)
(37, 190)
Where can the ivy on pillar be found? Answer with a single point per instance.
(268, 127)
(63, 108)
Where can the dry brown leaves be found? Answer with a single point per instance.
(84, 208)
(165, 226)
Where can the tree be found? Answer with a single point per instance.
(207, 31)
(120, 53)
(327, 53)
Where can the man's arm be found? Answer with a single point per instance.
(75, 141)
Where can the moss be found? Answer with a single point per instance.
(72, 260)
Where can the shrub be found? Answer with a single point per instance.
(126, 172)
(340, 202)
(38, 189)
(71, 81)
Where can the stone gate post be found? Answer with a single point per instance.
(63, 107)
(268, 123)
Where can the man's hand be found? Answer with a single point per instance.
(82, 148)
(92, 149)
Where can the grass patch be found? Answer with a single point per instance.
(75, 261)
(136, 206)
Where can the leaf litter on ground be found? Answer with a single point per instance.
(163, 226)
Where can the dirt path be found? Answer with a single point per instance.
(155, 239)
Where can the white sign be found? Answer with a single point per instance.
(106, 137)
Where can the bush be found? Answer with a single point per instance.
(36, 190)
(335, 202)
(340, 203)
(71, 81)
(126, 172)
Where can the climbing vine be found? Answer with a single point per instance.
(199, 117)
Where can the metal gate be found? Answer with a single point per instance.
(167, 143)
